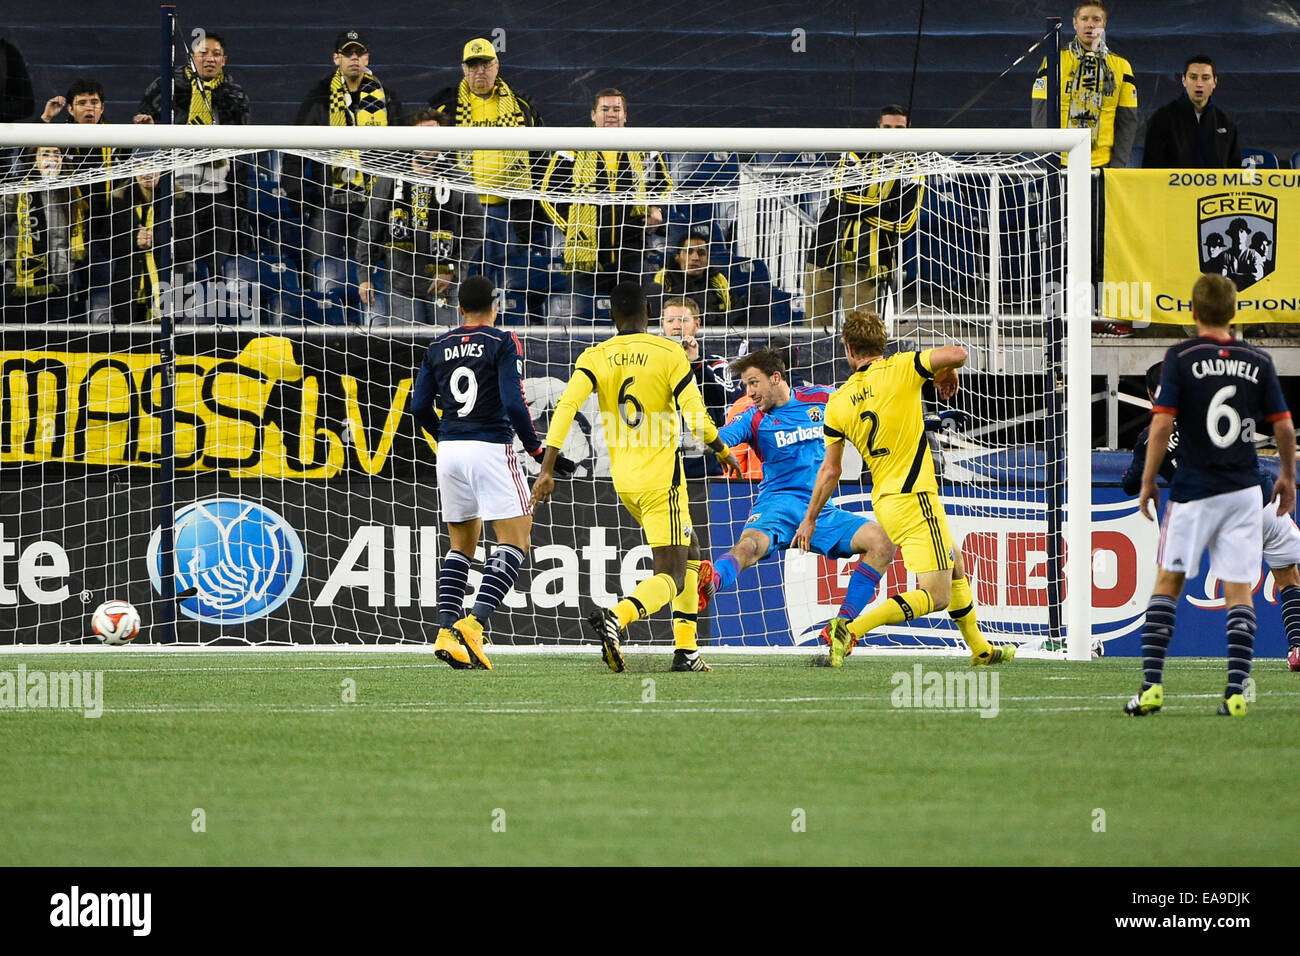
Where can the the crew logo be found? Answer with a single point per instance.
(1237, 235)
(241, 560)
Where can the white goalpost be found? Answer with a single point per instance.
(207, 414)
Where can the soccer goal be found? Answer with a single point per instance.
(210, 336)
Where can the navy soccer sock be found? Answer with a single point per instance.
(499, 575)
(1241, 647)
(453, 581)
(1157, 632)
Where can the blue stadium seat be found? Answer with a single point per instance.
(707, 169)
(782, 307)
(514, 307)
(953, 242)
(1259, 159)
(1295, 159)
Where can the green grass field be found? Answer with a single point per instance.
(555, 760)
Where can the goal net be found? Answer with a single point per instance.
(210, 338)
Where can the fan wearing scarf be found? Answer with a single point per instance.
(484, 99)
(135, 294)
(44, 240)
(207, 197)
(1097, 90)
(607, 242)
(427, 232)
(333, 198)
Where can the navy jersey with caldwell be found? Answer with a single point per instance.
(1220, 391)
(474, 374)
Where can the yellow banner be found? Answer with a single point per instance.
(93, 408)
(1164, 227)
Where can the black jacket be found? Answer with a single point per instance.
(1175, 140)
(230, 104)
(304, 181)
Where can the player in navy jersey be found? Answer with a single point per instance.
(1219, 391)
(784, 428)
(1281, 536)
(473, 375)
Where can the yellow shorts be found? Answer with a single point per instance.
(664, 515)
(917, 524)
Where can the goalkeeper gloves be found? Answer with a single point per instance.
(563, 468)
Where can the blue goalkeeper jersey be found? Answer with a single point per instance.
(788, 440)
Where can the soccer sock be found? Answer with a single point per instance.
(899, 608)
(725, 570)
(686, 609)
(499, 575)
(1241, 646)
(1157, 632)
(961, 608)
(648, 596)
(862, 588)
(453, 580)
(1291, 614)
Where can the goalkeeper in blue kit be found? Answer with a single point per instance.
(784, 428)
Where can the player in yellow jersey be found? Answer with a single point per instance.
(879, 410)
(645, 388)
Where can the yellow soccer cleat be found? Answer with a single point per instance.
(841, 640)
(1234, 706)
(997, 654)
(449, 650)
(471, 636)
(1149, 702)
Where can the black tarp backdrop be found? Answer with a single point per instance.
(687, 63)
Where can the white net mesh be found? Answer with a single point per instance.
(296, 291)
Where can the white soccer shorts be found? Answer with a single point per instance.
(1230, 525)
(1281, 537)
(479, 479)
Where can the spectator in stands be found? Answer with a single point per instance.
(1097, 90)
(681, 321)
(332, 199)
(484, 99)
(607, 243)
(135, 290)
(1191, 132)
(428, 234)
(860, 230)
(45, 239)
(207, 199)
(690, 275)
(84, 103)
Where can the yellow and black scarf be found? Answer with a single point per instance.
(623, 172)
(509, 112)
(34, 222)
(1093, 82)
(201, 93)
(147, 287)
(368, 106)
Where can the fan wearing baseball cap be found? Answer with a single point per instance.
(333, 201)
(483, 98)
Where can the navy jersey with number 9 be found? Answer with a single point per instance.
(474, 374)
(1221, 392)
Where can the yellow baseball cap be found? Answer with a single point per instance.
(479, 49)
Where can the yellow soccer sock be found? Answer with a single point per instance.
(648, 596)
(686, 609)
(899, 608)
(961, 608)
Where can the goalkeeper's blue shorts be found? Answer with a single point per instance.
(778, 515)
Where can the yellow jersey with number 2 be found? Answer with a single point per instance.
(879, 410)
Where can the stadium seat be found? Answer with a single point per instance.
(514, 307)
(953, 243)
(1259, 159)
(1295, 159)
(706, 169)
